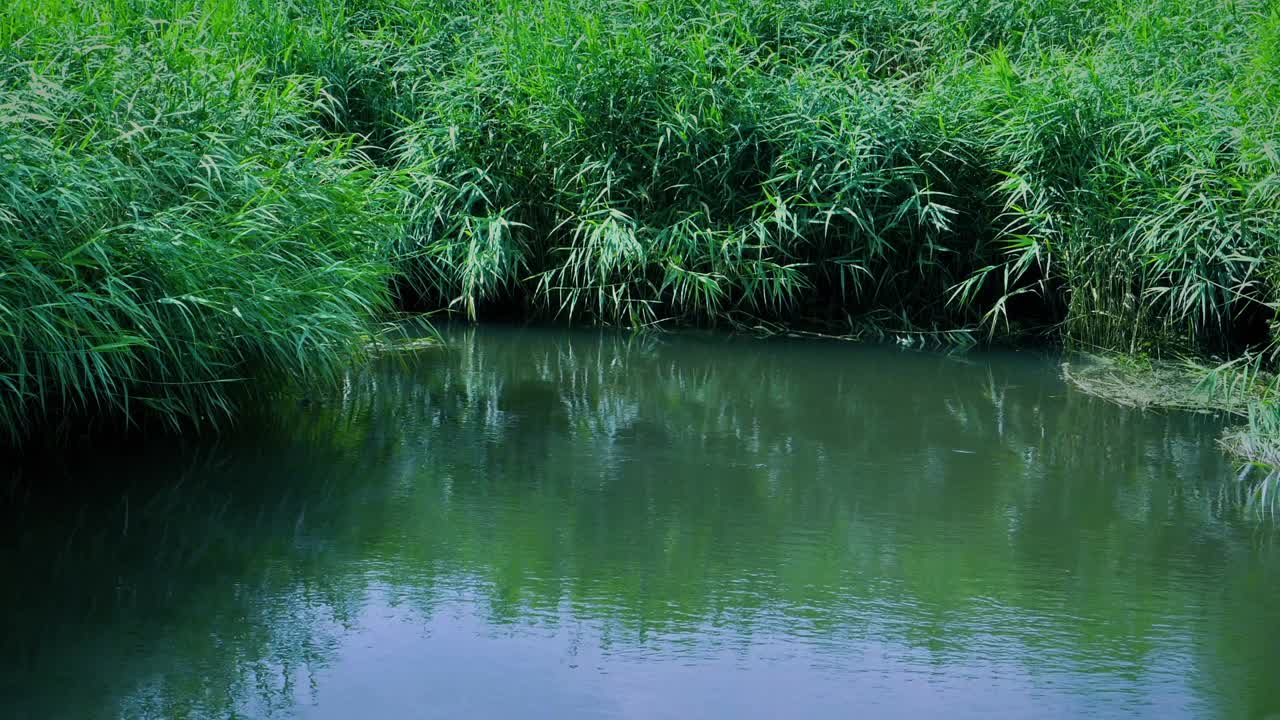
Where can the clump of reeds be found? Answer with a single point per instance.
(194, 191)
(1101, 172)
(172, 220)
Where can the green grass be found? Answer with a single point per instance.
(172, 219)
(196, 192)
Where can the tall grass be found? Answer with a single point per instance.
(1105, 171)
(171, 220)
(1097, 172)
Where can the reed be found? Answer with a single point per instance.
(198, 191)
(172, 220)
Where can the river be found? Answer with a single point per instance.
(585, 524)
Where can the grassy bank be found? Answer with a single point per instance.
(196, 192)
(1243, 390)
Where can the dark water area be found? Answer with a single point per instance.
(544, 523)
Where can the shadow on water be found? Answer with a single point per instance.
(655, 500)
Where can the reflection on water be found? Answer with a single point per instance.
(597, 525)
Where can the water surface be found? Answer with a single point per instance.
(538, 523)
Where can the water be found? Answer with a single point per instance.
(537, 523)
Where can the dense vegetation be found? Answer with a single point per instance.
(196, 190)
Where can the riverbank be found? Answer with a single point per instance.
(1240, 390)
(194, 194)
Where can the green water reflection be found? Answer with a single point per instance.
(548, 524)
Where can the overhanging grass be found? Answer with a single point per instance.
(1106, 171)
(171, 220)
(193, 192)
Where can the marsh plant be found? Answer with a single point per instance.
(195, 192)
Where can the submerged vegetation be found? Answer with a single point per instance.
(192, 191)
(1242, 388)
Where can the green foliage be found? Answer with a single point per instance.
(1104, 174)
(171, 219)
(1105, 171)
